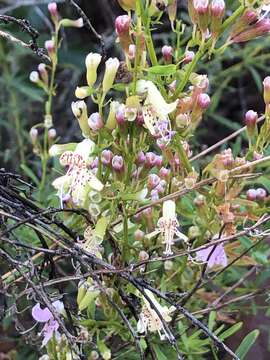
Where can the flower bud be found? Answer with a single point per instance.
(201, 8)
(106, 157)
(248, 17)
(217, 8)
(261, 28)
(158, 161)
(203, 101)
(261, 194)
(111, 120)
(152, 181)
(172, 11)
(131, 51)
(52, 134)
(52, 8)
(112, 65)
(199, 200)
(43, 73)
(34, 77)
(82, 92)
(59, 149)
(92, 62)
(33, 134)
(266, 90)
(118, 163)
(168, 265)
(122, 25)
(154, 195)
(94, 355)
(188, 57)
(150, 159)
(95, 122)
(251, 194)
(79, 110)
(140, 158)
(167, 52)
(164, 173)
(251, 118)
(50, 47)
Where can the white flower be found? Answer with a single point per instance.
(79, 180)
(92, 62)
(155, 108)
(167, 226)
(149, 319)
(111, 67)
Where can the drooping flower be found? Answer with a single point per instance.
(79, 179)
(217, 258)
(149, 319)
(45, 316)
(155, 108)
(167, 225)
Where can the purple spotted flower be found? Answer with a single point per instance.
(45, 316)
(218, 257)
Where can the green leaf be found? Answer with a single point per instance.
(30, 174)
(159, 353)
(229, 332)
(211, 320)
(246, 344)
(163, 70)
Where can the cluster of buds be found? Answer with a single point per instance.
(250, 26)
(207, 15)
(259, 194)
(191, 107)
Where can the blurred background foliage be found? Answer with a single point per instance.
(235, 79)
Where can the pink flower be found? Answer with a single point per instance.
(218, 257)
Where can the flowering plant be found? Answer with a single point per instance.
(146, 224)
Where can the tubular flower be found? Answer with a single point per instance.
(79, 180)
(155, 108)
(167, 226)
(149, 319)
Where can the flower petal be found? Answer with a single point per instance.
(41, 315)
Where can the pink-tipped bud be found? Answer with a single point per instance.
(52, 134)
(251, 118)
(140, 158)
(122, 24)
(33, 134)
(251, 194)
(150, 159)
(154, 195)
(131, 51)
(201, 6)
(167, 52)
(164, 173)
(95, 122)
(159, 161)
(217, 8)
(143, 255)
(120, 115)
(52, 7)
(50, 47)
(189, 55)
(261, 28)
(203, 101)
(118, 163)
(161, 188)
(152, 181)
(106, 157)
(94, 163)
(261, 194)
(266, 90)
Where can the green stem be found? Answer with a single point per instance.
(138, 44)
(183, 157)
(238, 12)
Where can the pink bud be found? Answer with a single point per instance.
(251, 118)
(52, 7)
(131, 51)
(139, 119)
(52, 134)
(106, 157)
(201, 6)
(160, 188)
(153, 180)
(203, 101)
(189, 55)
(251, 194)
(167, 52)
(140, 158)
(120, 115)
(150, 158)
(143, 255)
(94, 163)
(33, 134)
(261, 194)
(266, 88)
(122, 24)
(159, 161)
(217, 8)
(118, 163)
(164, 173)
(139, 235)
(95, 122)
(49, 46)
